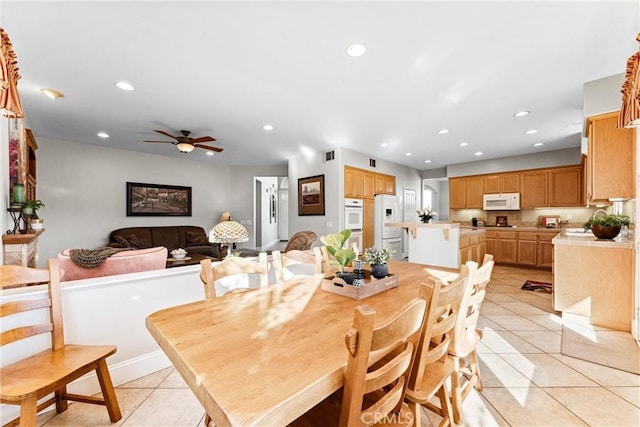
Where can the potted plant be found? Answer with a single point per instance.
(31, 206)
(341, 256)
(607, 226)
(378, 259)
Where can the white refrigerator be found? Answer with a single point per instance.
(387, 211)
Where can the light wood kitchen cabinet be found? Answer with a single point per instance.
(390, 184)
(502, 245)
(368, 218)
(527, 248)
(353, 183)
(545, 250)
(380, 184)
(610, 159)
(501, 183)
(565, 187)
(369, 185)
(457, 197)
(473, 192)
(472, 247)
(533, 189)
(465, 192)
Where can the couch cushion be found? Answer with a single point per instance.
(143, 235)
(128, 241)
(166, 236)
(196, 238)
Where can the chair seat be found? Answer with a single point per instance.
(434, 377)
(42, 373)
(327, 413)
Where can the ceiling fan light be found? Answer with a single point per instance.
(185, 147)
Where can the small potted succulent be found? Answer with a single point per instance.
(31, 206)
(342, 257)
(378, 259)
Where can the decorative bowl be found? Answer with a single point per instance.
(605, 231)
(178, 253)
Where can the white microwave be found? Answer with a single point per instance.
(501, 202)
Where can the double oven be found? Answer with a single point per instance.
(353, 214)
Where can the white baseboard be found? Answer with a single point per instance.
(123, 372)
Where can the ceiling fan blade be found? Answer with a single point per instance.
(206, 147)
(168, 142)
(203, 139)
(166, 134)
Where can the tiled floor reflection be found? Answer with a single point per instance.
(527, 381)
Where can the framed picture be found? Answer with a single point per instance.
(158, 200)
(311, 195)
(501, 221)
(17, 153)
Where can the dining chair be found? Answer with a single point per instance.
(379, 357)
(26, 381)
(293, 263)
(466, 336)
(234, 274)
(434, 367)
(301, 241)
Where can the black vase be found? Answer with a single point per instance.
(379, 271)
(347, 276)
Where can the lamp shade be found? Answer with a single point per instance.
(228, 232)
(185, 147)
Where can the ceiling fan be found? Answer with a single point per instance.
(186, 144)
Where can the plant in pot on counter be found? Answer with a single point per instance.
(426, 215)
(607, 226)
(341, 256)
(378, 259)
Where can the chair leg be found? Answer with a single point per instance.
(207, 419)
(108, 393)
(456, 390)
(28, 412)
(475, 369)
(445, 402)
(62, 404)
(417, 413)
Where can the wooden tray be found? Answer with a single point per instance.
(371, 286)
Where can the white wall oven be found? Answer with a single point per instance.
(353, 214)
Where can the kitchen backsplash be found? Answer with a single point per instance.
(569, 217)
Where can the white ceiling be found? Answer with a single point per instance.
(226, 68)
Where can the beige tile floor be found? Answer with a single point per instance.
(527, 381)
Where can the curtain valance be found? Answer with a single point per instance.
(9, 76)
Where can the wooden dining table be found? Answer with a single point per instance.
(265, 357)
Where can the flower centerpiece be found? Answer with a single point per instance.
(378, 259)
(426, 215)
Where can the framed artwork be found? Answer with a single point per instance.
(17, 150)
(158, 200)
(501, 221)
(311, 195)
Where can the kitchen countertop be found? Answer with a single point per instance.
(561, 239)
(517, 228)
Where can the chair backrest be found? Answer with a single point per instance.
(13, 276)
(295, 263)
(244, 269)
(464, 333)
(379, 357)
(301, 240)
(439, 323)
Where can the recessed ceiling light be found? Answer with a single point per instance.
(443, 131)
(210, 153)
(463, 144)
(531, 131)
(408, 154)
(384, 144)
(52, 93)
(522, 113)
(538, 144)
(124, 86)
(356, 49)
(478, 153)
(427, 161)
(103, 135)
(267, 127)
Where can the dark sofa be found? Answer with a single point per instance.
(192, 238)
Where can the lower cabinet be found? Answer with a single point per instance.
(472, 247)
(527, 248)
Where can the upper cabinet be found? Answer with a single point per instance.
(501, 183)
(538, 188)
(610, 159)
(32, 146)
(362, 184)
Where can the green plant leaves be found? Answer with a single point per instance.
(335, 241)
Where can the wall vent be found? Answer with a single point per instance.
(329, 155)
(372, 163)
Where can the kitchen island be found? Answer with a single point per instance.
(593, 280)
(443, 244)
